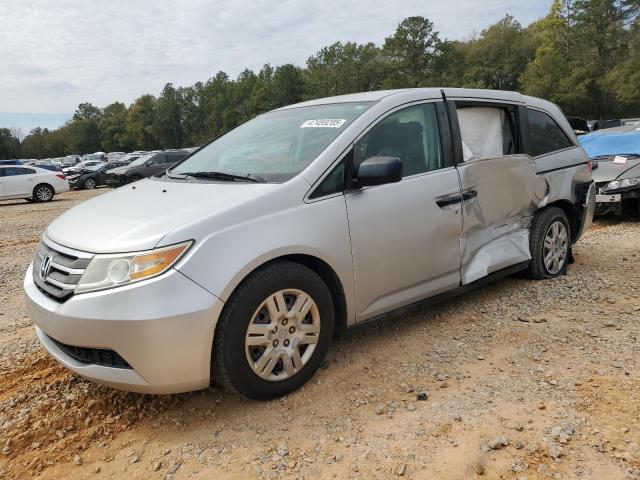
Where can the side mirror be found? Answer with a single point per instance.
(148, 163)
(378, 171)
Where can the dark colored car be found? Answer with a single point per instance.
(144, 167)
(10, 162)
(94, 176)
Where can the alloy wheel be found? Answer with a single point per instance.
(556, 247)
(44, 193)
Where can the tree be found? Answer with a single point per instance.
(113, 128)
(411, 53)
(140, 123)
(499, 56)
(344, 68)
(9, 144)
(84, 132)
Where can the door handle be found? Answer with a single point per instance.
(448, 201)
(468, 195)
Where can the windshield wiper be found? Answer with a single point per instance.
(223, 176)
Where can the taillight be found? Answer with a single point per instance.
(61, 177)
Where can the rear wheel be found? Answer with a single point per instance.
(43, 193)
(274, 331)
(550, 244)
(89, 184)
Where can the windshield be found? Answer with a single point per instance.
(277, 145)
(140, 160)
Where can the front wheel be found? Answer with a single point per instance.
(274, 331)
(43, 193)
(89, 184)
(550, 244)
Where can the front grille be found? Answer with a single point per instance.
(66, 266)
(93, 356)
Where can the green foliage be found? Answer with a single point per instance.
(411, 53)
(584, 56)
(9, 144)
(497, 58)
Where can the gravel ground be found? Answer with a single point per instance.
(519, 379)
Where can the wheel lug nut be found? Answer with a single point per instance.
(275, 343)
(292, 329)
(275, 330)
(286, 343)
(285, 321)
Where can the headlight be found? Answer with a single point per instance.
(108, 271)
(622, 184)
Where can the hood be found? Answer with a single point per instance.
(137, 217)
(612, 141)
(607, 170)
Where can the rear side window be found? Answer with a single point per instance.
(13, 171)
(546, 134)
(487, 132)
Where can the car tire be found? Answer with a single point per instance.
(89, 184)
(549, 244)
(43, 193)
(134, 178)
(262, 363)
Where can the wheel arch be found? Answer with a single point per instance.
(573, 213)
(324, 271)
(45, 184)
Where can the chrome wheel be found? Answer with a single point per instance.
(556, 247)
(44, 193)
(89, 183)
(282, 334)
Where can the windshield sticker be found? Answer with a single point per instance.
(618, 160)
(324, 123)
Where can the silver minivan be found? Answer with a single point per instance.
(240, 263)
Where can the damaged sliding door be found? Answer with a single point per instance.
(498, 189)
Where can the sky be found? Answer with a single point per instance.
(55, 55)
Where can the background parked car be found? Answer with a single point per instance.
(94, 156)
(10, 162)
(31, 183)
(93, 176)
(82, 165)
(144, 167)
(130, 157)
(48, 166)
(616, 156)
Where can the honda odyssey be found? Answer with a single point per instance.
(240, 263)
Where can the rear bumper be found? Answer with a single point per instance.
(162, 328)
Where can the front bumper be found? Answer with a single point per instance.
(618, 202)
(114, 180)
(163, 328)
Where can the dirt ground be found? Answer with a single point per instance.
(522, 379)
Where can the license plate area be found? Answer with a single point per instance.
(608, 198)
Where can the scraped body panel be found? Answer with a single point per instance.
(501, 199)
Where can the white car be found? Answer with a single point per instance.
(79, 166)
(31, 183)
